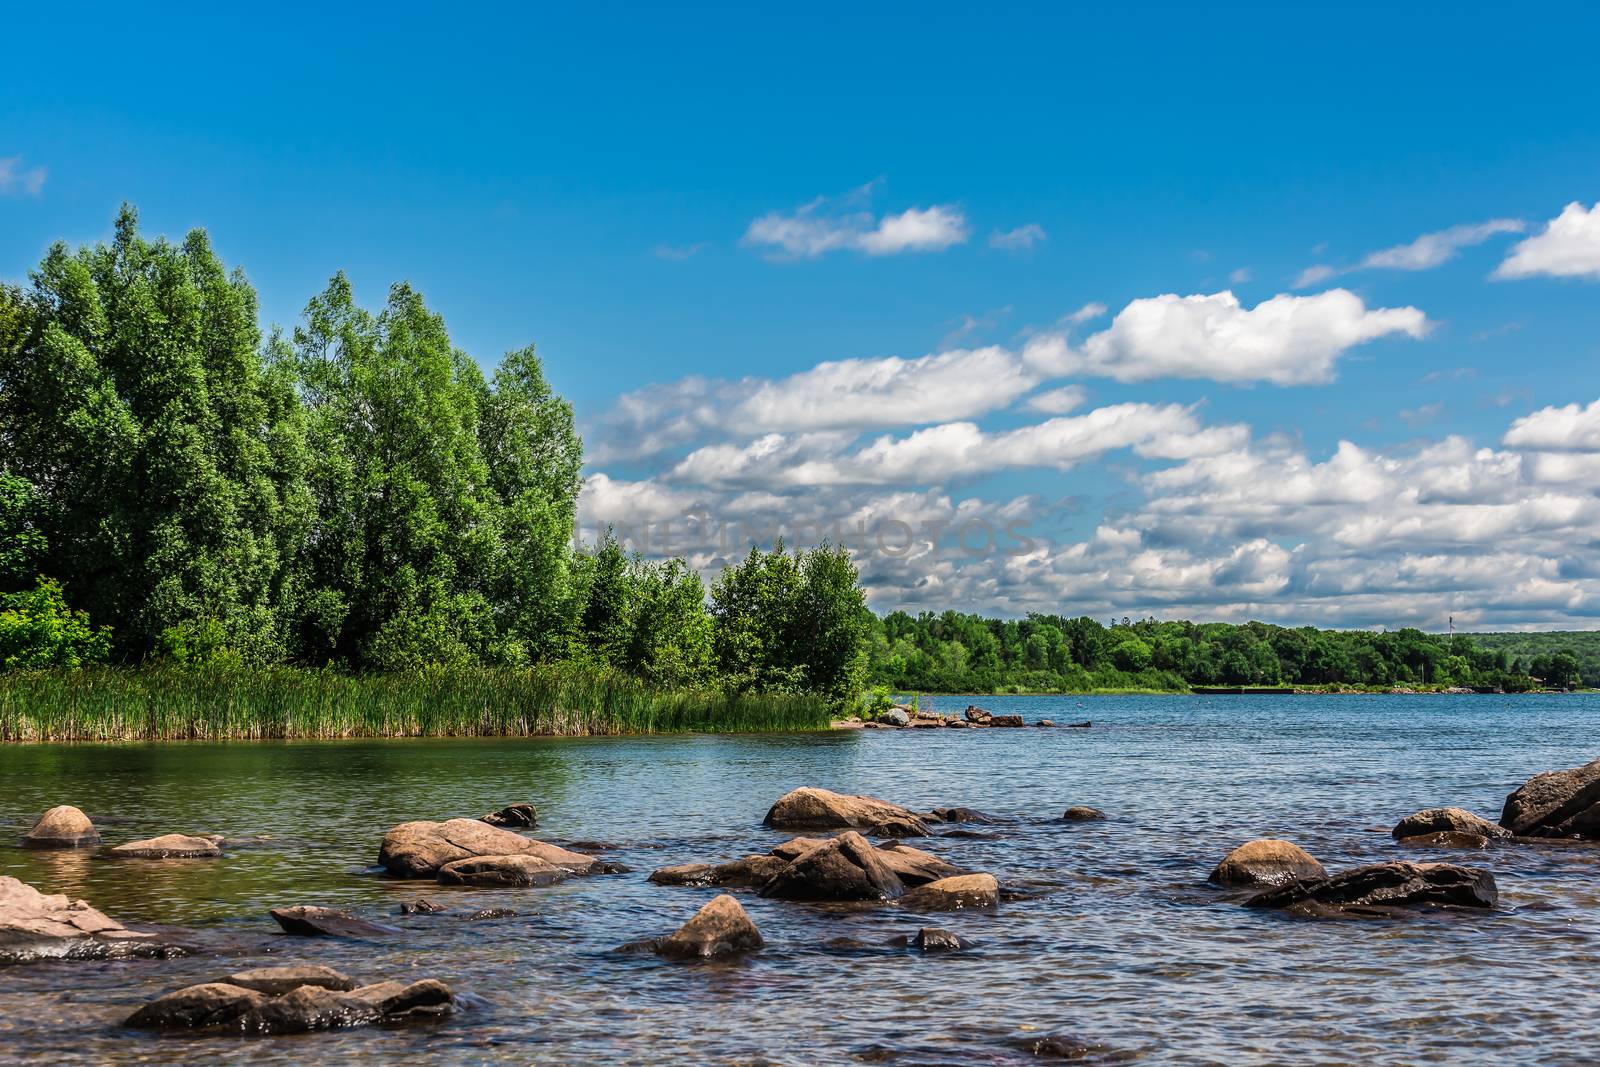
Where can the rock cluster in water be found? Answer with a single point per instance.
(291, 1000)
(906, 717)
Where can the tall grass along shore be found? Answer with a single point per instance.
(171, 702)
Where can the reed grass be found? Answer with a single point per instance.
(170, 703)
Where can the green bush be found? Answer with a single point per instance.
(38, 630)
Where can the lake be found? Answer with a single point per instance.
(1122, 947)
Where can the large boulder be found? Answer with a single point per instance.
(37, 925)
(518, 815)
(1446, 820)
(1556, 804)
(895, 717)
(1267, 862)
(63, 826)
(502, 872)
(310, 921)
(277, 1004)
(420, 849)
(718, 929)
(846, 867)
(954, 894)
(1387, 885)
(822, 809)
(169, 847)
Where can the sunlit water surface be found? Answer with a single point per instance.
(1124, 951)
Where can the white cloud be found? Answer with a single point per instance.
(1020, 239)
(1314, 275)
(1058, 401)
(15, 180)
(1287, 340)
(824, 226)
(1432, 249)
(1092, 310)
(1568, 247)
(1565, 429)
(1239, 276)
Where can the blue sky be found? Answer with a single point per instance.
(687, 208)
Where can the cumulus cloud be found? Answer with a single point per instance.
(1287, 340)
(824, 226)
(1558, 429)
(1314, 275)
(1568, 247)
(17, 180)
(1058, 401)
(1020, 239)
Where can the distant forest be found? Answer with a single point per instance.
(957, 653)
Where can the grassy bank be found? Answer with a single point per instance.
(161, 703)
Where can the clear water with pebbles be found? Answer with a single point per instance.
(1124, 954)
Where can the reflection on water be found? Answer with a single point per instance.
(1122, 952)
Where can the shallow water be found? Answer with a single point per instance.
(1126, 952)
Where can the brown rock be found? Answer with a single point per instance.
(977, 716)
(516, 815)
(932, 939)
(718, 929)
(169, 847)
(34, 923)
(1447, 839)
(914, 866)
(1266, 861)
(1388, 884)
(1556, 804)
(63, 826)
(958, 724)
(310, 921)
(301, 1008)
(1446, 820)
(196, 1006)
(1006, 720)
(821, 809)
(420, 849)
(422, 906)
(952, 894)
(846, 867)
(275, 981)
(683, 874)
(1080, 813)
(505, 872)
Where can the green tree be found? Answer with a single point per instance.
(38, 630)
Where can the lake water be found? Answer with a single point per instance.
(1125, 951)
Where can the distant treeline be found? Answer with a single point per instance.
(953, 652)
(178, 486)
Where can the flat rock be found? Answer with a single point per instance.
(420, 849)
(1267, 862)
(1006, 720)
(63, 826)
(822, 809)
(275, 981)
(1394, 884)
(300, 1009)
(720, 928)
(1556, 804)
(169, 847)
(1082, 813)
(507, 872)
(953, 894)
(309, 921)
(1446, 820)
(515, 815)
(37, 925)
(846, 867)
(1446, 839)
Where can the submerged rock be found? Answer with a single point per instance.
(272, 1000)
(169, 847)
(1081, 813)
(420, 849)
(520, 815)
(932, 939)
(1446, 839)
(1446, 820)
(422, 906)
(310, 921)
(37, 925)
(961, 815)
(822, 809)
(1556, 804)
(1388, 884)
(846, 867)
(505, 872)
(952, 894)
(1267, 861)
(721, 928)
(63, 826)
